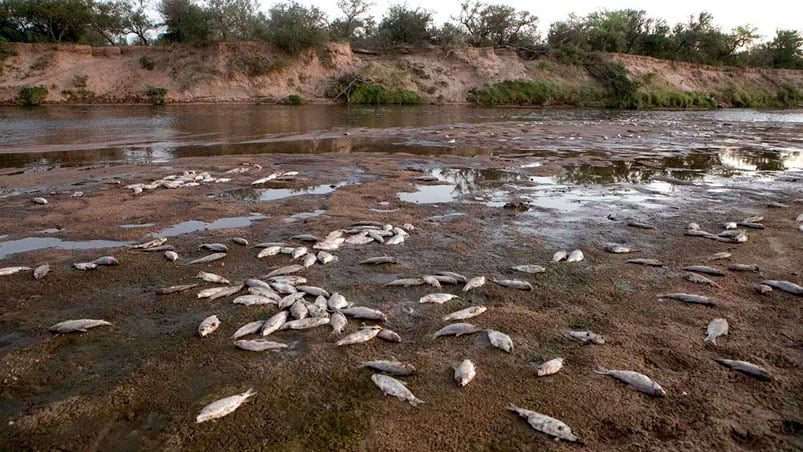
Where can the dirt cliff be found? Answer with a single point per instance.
(258, 72)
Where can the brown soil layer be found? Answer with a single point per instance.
(140, 383)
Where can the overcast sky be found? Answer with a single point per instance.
(766, 15)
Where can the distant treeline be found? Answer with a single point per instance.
(294, 27)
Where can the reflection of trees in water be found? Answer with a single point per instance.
(760, 160)
(469, 180)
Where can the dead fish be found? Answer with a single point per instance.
(149, 244)
(799, 219)
(408, 227)
(762, 289)
(575, 256)
(729, 225)
(299, 310)
(338, 322)
(473, 283)
(638, 381)
(292, 280)
(336, 302)
(741, 237)
(253, 282)
(584, 337)
(106, 260)
(730, 234)
(640, 225)
(209, 258)
(688, 298)
(395, 388)
(174, 289)
(217, 247)
(693, 227)
(363, 335)
(285, 270)
(274, 323)
(223, 407)
(464, 314)
(716, 328)
(314, 291)
(309, 260)
(704, 269)
(300, 252)
(85, 266)
(389, 336)
(445, 279)
(12, 270)
(745, 367)
(559, 256)
(269, 251)
(550, 367)
(456, 276)
(753, 219)
(240, 241)
(432, 281)
(361, 312)
(259, 345)
(39, 200)
(500, 340)
(290, 299)
(329, 245)
(378, 260)
(253, 300)
(219, 292)
(751, 225)
(359, 239)
(776, 205)
(305, 324)
(438, 298)
(718, 256)
(159, 249)
(249, 328)
(41, 271)
(619, 249)
(545, 424)
(457, 329)
(208, 325)
(395, 240)
(785, 286)
(743, 268)
(172, 256)
(325, 258)
(405, 282)
(213, 278)
(263, 292)
(376, 235)
(649, 262)
(529, 268)
(77, 326)
(514, 284)
(305, 238)
(464, 372)
(699, 279)
(390, 367)
(698, 233)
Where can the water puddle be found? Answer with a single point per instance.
(453, 183)
(274, 194)
(304, 215)
(39, 243)
(50, 231)
(191, 226)
(431, 194)
(134, 225)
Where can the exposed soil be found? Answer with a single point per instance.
(140, 383)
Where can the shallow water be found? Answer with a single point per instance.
(188, 227)
(10, 247)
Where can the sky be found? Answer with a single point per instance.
(765, 15)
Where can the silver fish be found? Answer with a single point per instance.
(267, 293)
(269, 251)
(619, 249)
(259, 345)
(716, 328)
(473, 283)
(85, 265)
(208, 325)
(445, 279)
(559, 256)
(454, 275)
(174, 289)
(213, 278)
(776, 205)
(762, 289)
(438, 298)
(432, 281)
(729, 225)
(743, 268)
(240, 241)
(640, 225)
(758, 219)
(361, 312)
(12, 270)
(223, 407)
(338, 322)
(745, 367)
(464, 372)
(309, 260)
(406, 282)
(39, 200)
(305, 238)
(699, 279)
(292, 280)
(529, 268)
(704, 269)
(299, 310)
(299, 252)
(285, 270)
(159, 249)
(693, 227)
(290, 300)
(209, 258)
(359, 239)
(785, 286)
(315, 310)
(106, 260)
(305, 324)
(500, 340)
(314, 291)
(216, 247)
(172, 256)
(514, 284)
(336, 302)
(688, 298)
(584, 337)
(464, 314)
(698, 233)
(395, 240)
(391, 367)
(745, 224)
(41, 271)
(363, 335)
(274, 323)
(575, 256)
(249, 328)
(253, 282)
(149, 244)
(639, 381)
(649, 262)
(77, 326)
(550, 367)
(457, 329)
(219, 292)
(395, 388)
(376, 236)
(253, 300)
(325, 258)
(389, 336)
(329, 245)
(718, 256)
(545, 424)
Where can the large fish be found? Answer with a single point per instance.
(224, 406)
(545, 424)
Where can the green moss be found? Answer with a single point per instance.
(29, 96)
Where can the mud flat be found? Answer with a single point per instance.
(140, 383)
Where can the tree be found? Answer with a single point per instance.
(135, 21)
(786, 50)
(497, 25)
(185, 21)
(232, 19)
(353, 11)
(294, 27)
(403, 25)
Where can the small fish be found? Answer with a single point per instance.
(649, 262)
(693, 227)
(85, 265)
(395, 388)
(751, 225)
(259, 345)
(253, 300)
(240, 241)
(619, 249)
(269, 251)
(559, 256)
(208, 325)
(389, 336)
(329, 245)
(159, 249)
(464, 372)
(290, 300)
(445, 279)
(745, 367)
(325, 258)
(285, 270)
(336, 302)
(454, 275)
(39, 200)
(77, 326)
(363, 335)
(305, 324)
(253, 282)
(743, 268)
(299, 310)
(149, 244)
(274, 323)
(640, 225)
(514, 284)
(216, 247)
(41, 271)
(12, 270)
(473, 283)
(376, 235)
(432, 281)
(408, 227)
(699, 279)
(359, 239)
(716, 328)
(396, 239)
(718, 256)
(762, 289)
(249, 328)
(545, 424)
(305, 238)
(550, 367)
(379, 260)
(529, 268)
(292, 280)
(704, 269)
(361, 312)
(438, 298)
(786, 286)
(338, 322)
(464, 314)
(309, 260)
(405, 282)
(575, 256)
(688, 298)
(729, 225)
(584, 337)
(756, 219)
(457, 329)
(776, 205)
(299, 252)
(219, 292)
(223, 407)
(391, 367)
(500, 340)
(213, 278)
(638, 381)
(106, 260)
(730, 233)
(174, 289)
(314, 291)
(209, 258)
(698, 233)
(172, 256)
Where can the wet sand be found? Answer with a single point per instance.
(140, 383)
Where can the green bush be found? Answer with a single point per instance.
(510, 92)
(256, 65)
(156, 95)
(622, 91)
(146, 63)
(30, 96)
(366, 93)
(295, 99)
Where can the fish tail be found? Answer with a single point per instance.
(711, 339)
(415, 401)
(249, 393)
(601, 371)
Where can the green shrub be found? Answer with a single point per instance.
(30, 96)
(366, 93)
(510, 92)
(146, 63)
(622, 91)
(156, 95)
(295, 99)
